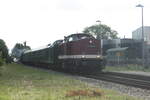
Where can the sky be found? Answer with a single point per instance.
(40, 22)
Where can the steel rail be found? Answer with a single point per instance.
(138, 81)
(127, 75)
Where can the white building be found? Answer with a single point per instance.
(137, 34)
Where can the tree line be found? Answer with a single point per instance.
(4, 54)
(18, 49)
(101, 31)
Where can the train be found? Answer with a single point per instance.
(76, 52)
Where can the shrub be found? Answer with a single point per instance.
(1, 63)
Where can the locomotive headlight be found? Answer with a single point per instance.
(83, 56)
(98, 56)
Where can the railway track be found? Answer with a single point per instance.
(139, 81)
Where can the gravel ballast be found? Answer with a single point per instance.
(135, 72)
(132, 91)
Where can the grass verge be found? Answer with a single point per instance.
(19, 82)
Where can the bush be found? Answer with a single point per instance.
(1, 63)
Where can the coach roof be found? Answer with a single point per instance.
(37, 49)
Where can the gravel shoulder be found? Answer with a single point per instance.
(122, 89)
(135, 72)
(131, 91)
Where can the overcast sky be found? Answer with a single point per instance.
(40, 22)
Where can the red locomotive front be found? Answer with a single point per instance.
(81, 52)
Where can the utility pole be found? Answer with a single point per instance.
(143, 44)
(99, 36)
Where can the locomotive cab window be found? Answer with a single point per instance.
(76, 37)
(84, 36)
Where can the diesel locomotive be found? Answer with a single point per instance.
(76, 52)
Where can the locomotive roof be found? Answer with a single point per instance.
(80, 34)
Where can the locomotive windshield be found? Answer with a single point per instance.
(84, 36)
(75, 37)
(58, 42)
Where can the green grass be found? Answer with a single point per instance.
(19, 82)
(130, 67)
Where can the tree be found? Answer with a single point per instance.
(3, 53)
(101, 31)
(1, 60)
(3, 49)
(19, 49)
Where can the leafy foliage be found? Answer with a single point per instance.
(21, 46)
(3, 49)
(1, 61)
(101, 31)
(19, 49)
(3, 52)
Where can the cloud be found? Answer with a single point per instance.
(70, 5)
